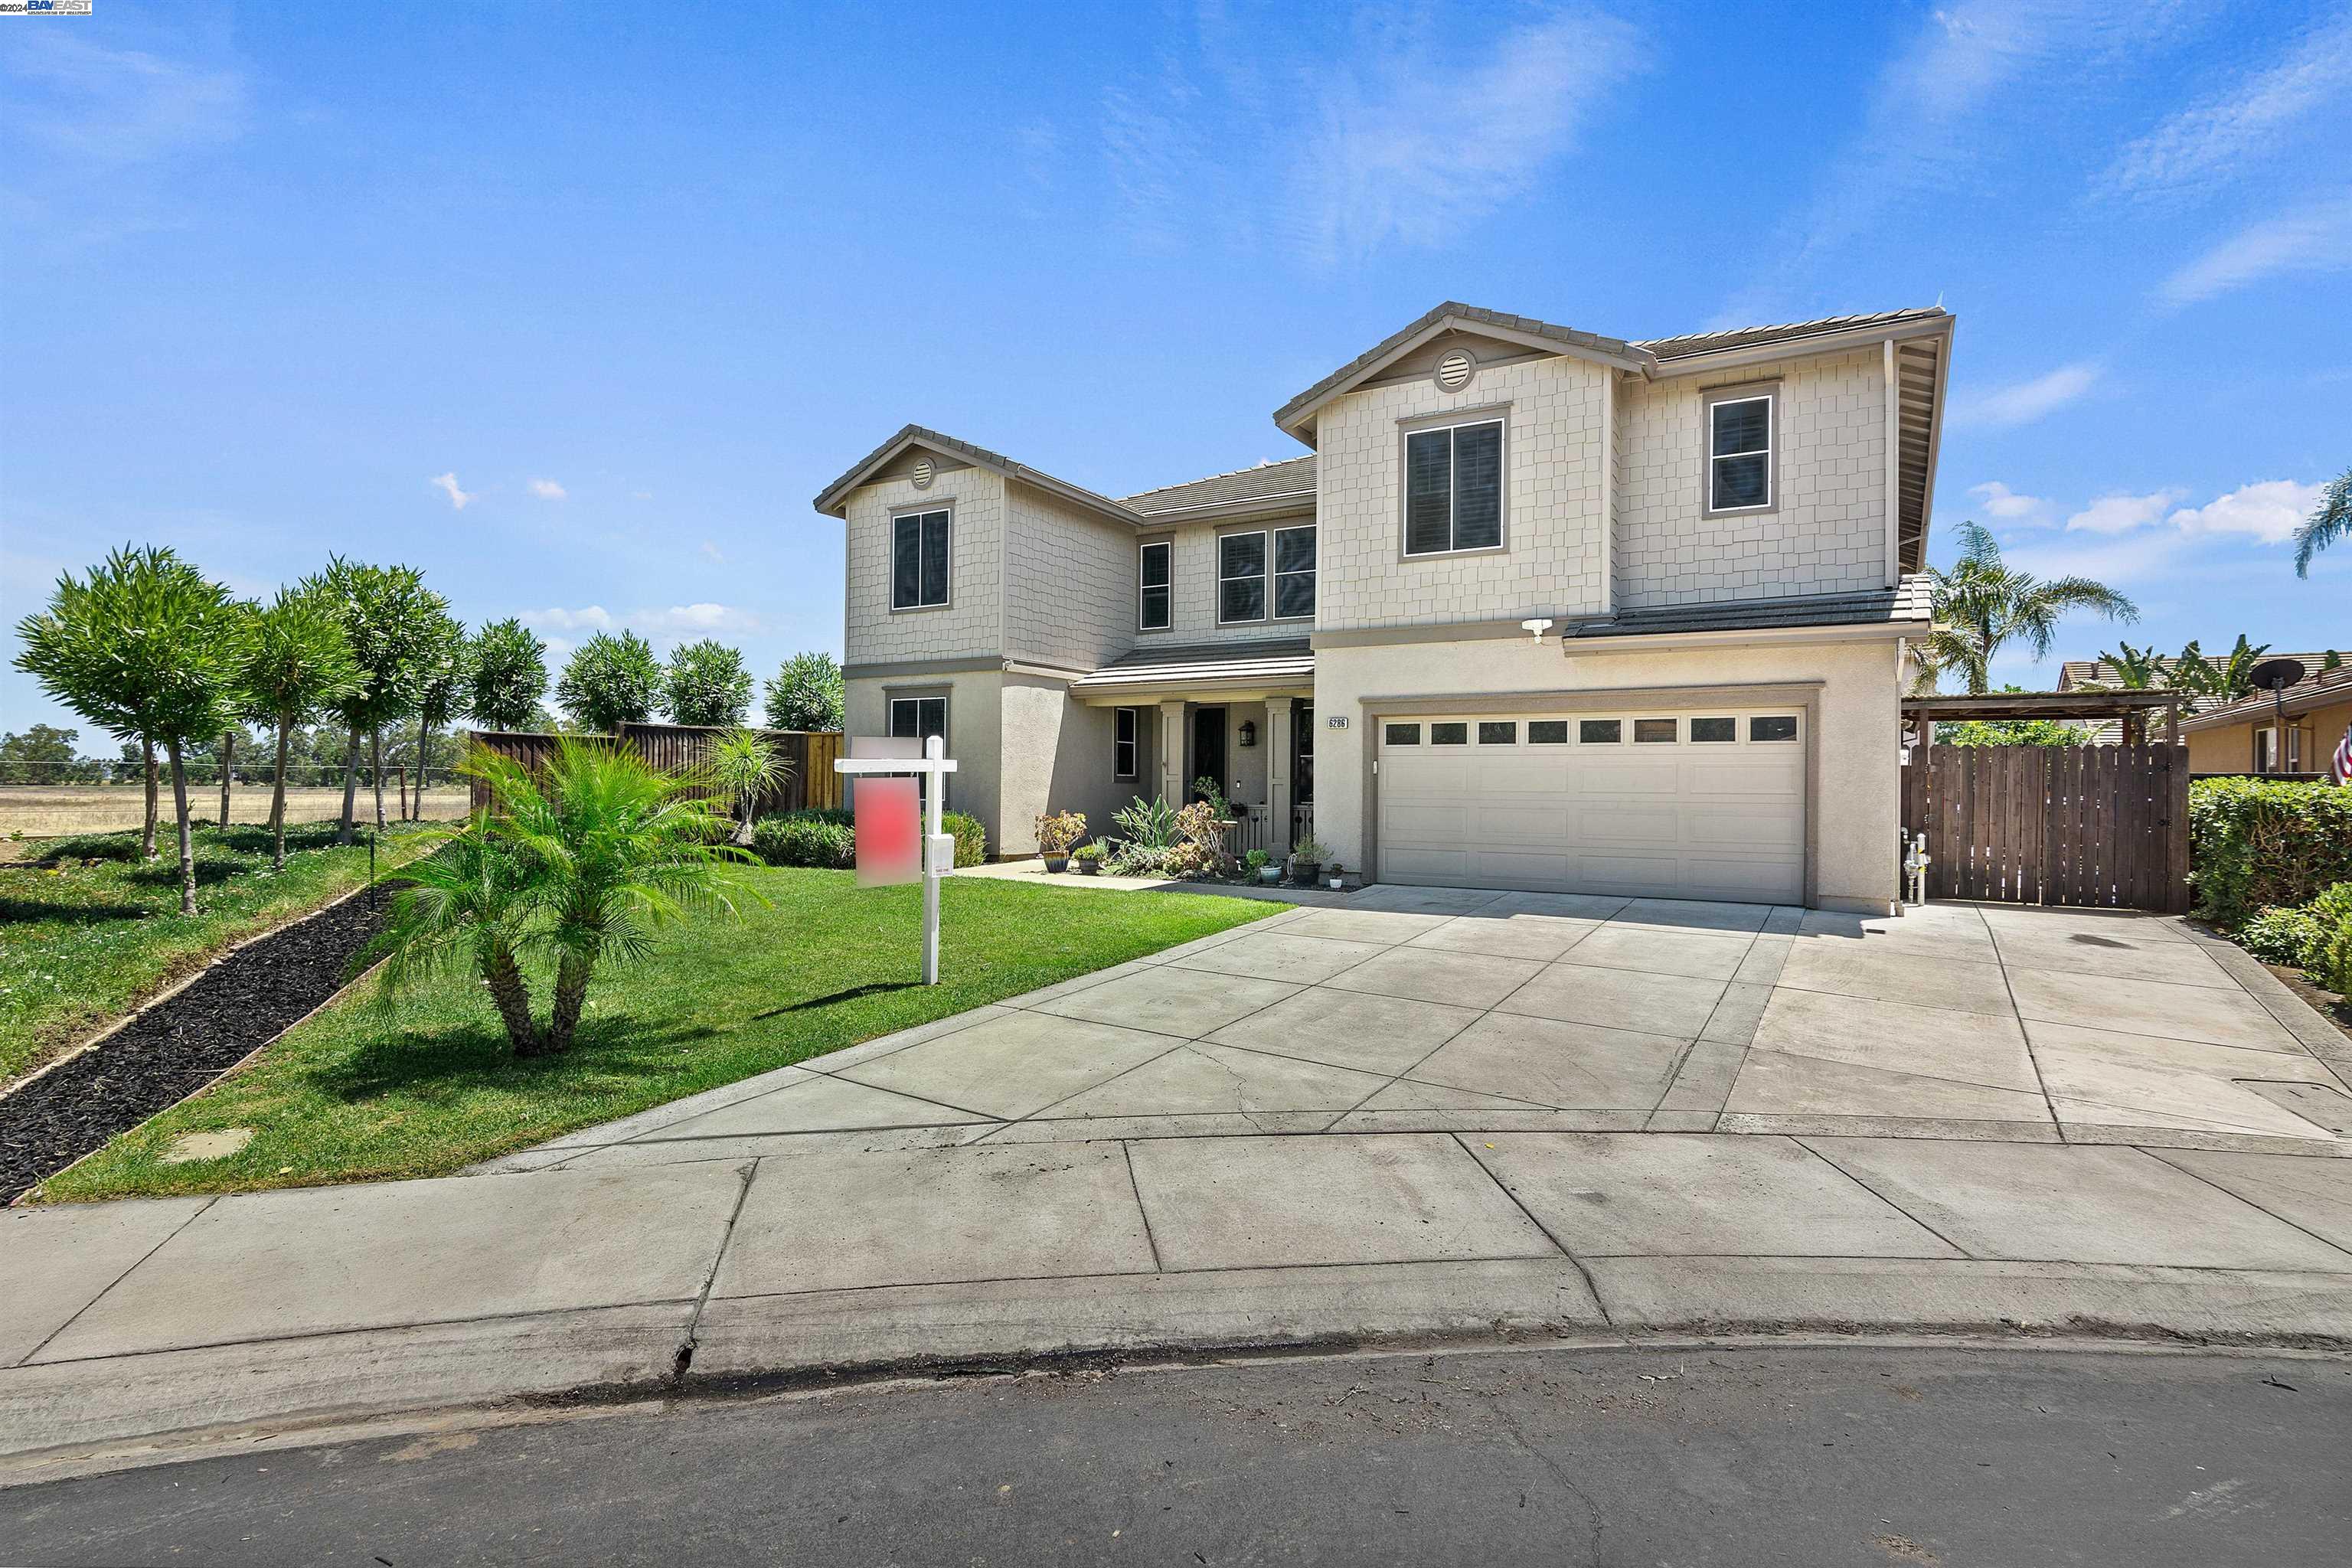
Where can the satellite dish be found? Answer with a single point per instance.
(2274, 673)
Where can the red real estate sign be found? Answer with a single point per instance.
(889, 832)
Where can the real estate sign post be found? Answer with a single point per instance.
(885, 819)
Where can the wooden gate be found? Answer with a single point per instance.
(2105, 826)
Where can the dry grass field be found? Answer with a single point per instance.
(49, 811)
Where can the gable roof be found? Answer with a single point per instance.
(833, 498)
(1448, 316)
(1267, 481)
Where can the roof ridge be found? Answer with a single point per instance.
(1227, 474)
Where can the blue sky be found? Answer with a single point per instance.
(576, 307)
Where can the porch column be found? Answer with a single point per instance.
(1277, 776)
(1172, 740)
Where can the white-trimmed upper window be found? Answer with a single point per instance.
(1453, 488)
(1155, 591)
(1740, 454)
(918, 559)
(1260, 581)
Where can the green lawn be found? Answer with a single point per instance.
(88, 932)
(424, 1084)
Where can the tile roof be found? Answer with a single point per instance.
(1208, 664)
(1690, 344)
(1907, 603)
(2318, 687)
(1293, 476)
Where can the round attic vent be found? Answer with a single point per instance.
(1455, 371)
(923, 473)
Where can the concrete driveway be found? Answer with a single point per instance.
(1402, 1010)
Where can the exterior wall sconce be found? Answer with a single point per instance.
(1249, 733)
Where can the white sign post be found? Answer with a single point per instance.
(938, 848)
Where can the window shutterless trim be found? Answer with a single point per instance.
(915, 514)
(1262, 576)
(1275, 574)
(1167, 585)
(1464, 419)
(1127, 732)
(1767, 392)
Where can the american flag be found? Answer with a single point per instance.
(2342, 767)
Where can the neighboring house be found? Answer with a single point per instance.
(1541, 609)
(2206, 750)
(2244, 736)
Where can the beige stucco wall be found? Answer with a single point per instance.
(1828, 533)
(974, 730)
(973, 619)
(1855, 806)
(1554, 443)
(2230, 747)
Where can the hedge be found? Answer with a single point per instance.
(2257, 843)
(823, 836)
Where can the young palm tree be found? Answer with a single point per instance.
(2330, 524)
(1981, 603)
(583, 862)
(745, 766)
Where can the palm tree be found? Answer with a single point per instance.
(1982, 603)
(2330, 524)
(745, 766)
(583, 862)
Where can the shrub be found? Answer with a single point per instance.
(1089, 853)
(2328, 958)
(971, 839)
(2278, 936)
(821, 838)
(2260, 842)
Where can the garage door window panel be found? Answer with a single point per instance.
(1600, 732)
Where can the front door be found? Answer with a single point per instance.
(1208, 751)
(1302, 753)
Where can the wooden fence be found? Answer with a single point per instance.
(2102, 826)
(672, 747)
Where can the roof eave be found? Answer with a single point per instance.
(1296, 418)
(1831, 341)
(832, 499)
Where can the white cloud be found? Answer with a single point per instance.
(2315, 240)
(447, 485)
(1402, 143)
(547, 490)
(2121, 514)
(657, 625)
(711, 551)
(2027, 401)
(2217, 137)
(2270, 511)
(2005, 504)
(592, 618)
(116, 107)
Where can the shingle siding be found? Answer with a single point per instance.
(1554, 445)
(1073, 583)
(1827, 535)
(1193, 571)
(972, 623)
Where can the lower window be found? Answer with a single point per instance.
(1122, 749)
(919, 718)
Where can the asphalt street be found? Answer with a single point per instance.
(1795, 1454)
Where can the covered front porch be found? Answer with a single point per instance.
(1241, 715)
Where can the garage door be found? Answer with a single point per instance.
(1689, 806)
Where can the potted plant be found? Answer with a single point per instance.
(1262, 867)
(1336, 882)
(1056, 831)
(1089, 859)
(1306, 862)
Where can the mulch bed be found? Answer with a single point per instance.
(181, 1044)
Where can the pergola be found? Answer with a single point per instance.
(2132, 707)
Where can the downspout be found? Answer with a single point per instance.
(1890, 466)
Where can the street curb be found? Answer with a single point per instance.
(158, 1406)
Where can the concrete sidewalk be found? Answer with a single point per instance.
(1423, 1115)
(134, 1326)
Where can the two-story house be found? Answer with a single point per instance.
(1540, 609)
